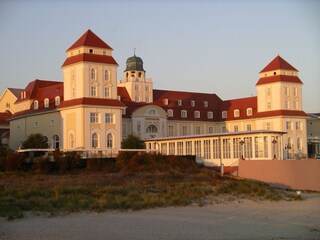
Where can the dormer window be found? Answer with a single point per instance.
(179, 102)
(165, 101)
(57, 101)
(46, 103)
(184, 113)
(193, 103)
(205, 104)
(236, 113)
(35, 104)
(210, 115)
(224, 114)
(170, 113)
(197, 114)
(249, 111)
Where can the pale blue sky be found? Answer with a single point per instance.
(203, 46)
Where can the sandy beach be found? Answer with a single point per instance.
(239, 219)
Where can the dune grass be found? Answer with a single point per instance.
(150, 185)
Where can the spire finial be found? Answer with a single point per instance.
(134, 51)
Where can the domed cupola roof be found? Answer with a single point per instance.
(134, 63)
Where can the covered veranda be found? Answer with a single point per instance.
(222, 148)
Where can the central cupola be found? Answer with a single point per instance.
(134, 63)
(134, 80)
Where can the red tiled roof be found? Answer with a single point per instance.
(89, 39)
(88, 57)
(278, 63)
(15, 91)
(241, 104)
(44, 87)
(289, 113)
(123, 93)
(279, 78)
(92, 101)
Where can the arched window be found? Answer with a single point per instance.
(57, 101)
(46, 103)
(94, 140)
(152, 112)
(71, 141)
(184, 113)
(35, 104)
(93, 74)
(210, 115)
(55, 141)
(197, 114)
(249, 111)
(224, 114)
(170, 113)
(299, 144)
(106, 75)
(236, 113)
(109, 140)
(152, 129)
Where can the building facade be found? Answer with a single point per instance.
(91, 109)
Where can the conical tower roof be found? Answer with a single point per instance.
(278, 63)
(89, 39)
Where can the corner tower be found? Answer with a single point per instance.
(90, 70)
(134, 80)
(279, 87)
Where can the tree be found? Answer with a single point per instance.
(35, 140)
(132, 142)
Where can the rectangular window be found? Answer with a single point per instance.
(236, 129)
(107, 92)
(189, 148)
(226, 148)
(179, 102)
(207, 149)
(205, 104)
(216, 148)
(248, 127)
(295, 92)
(51, 122)
(137, 99)
(268, 126)
(180, 148)
(164, 148)
(146, 88)
(172, 148)
(94, 118)
(93, 91)
(184, 130)
(170, 131)
(109, 118)
(298, 126)
(210, 129)
(197, 148)
(193, 103)
(269, 105)
(137, 87)
(198, 130)
(288, 125)
(223, 129)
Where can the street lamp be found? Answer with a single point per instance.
(241, 143)
(274, 142)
